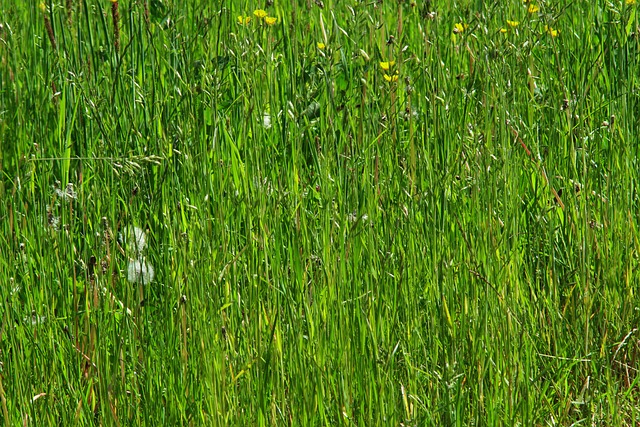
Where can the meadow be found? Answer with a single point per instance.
(319, 213)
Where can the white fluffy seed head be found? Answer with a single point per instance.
(137, 239)
(140, 271)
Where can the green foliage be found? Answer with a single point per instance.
(448, 238)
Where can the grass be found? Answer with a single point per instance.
(450, 241)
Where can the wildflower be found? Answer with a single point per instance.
(320, 45)
(243, 20)
(42, 7)
(34, 319)
(140, 271)
(266, 120)
(14, 289)
(260, 14)
(66, 194)
(552, 32)
(630, 2)
(393, 78)
(459, 28)
(533, 8)
(270, 20)
(513, 24)
(386, 65)
(353, 217)
(503, 30)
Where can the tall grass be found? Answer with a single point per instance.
(452, 240)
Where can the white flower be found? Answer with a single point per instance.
(354, 217)
(34, 319)
(140, 271)
(68, 193)
(266, 120)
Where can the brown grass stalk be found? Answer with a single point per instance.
(49, 28)
(115, 16)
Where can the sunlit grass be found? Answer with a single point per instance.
(319, 213)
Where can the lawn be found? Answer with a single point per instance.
(319, 213)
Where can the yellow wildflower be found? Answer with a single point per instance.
(459, 28)
(320, 45)
(243, 20)
(386, 65)
(630, 2)
(270, 20)
(553, 32)
(260, 14)
(513, 24)
(533, 8)
(393, 78)
(503, 30)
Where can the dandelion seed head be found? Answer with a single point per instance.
(137, 239)
(140, 271)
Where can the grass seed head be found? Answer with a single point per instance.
(115, 17)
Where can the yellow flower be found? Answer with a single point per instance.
(270, 20)
(243, 20)
(393, 78)
(533, 8)
(513, 24)
(630, 2)
(320, 45)
(259, 13)
(386, 65)
(459, 28)
(553, 32)
(503, 30)
(42, 7)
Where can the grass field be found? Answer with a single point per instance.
(358, 213)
